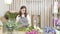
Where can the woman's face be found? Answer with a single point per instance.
(23, 10)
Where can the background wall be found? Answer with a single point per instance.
(3, 8)
(34, 7)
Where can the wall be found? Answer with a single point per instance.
(3, 8)
(41, 7)
(36, 7)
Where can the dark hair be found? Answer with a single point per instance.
(25, 11)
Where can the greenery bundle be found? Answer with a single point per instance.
(10, 15)
(26, 29)
(11, 25)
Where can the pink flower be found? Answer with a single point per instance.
(32, 32)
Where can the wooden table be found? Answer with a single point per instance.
(18, 32)
(15, 32)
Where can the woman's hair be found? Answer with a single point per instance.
(20, 13)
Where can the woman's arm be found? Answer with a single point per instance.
(17, 18)
(29, 20)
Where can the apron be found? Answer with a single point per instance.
(23, 22)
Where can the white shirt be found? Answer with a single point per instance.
(28, 17)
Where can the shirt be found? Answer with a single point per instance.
(28, 17)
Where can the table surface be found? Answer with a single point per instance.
(15, 32)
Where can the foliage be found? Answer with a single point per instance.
(26, 29)
(10, 15)
(11, 25)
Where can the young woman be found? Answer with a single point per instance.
(23, 18)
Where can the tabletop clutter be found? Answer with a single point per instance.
(45, 30)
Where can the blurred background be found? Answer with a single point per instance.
(40, 10)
